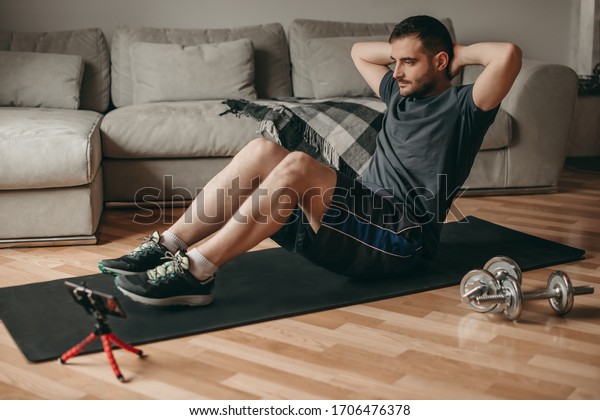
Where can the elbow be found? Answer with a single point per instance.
(514, 56)
(509, 59)
(355, 51)
(360, 49)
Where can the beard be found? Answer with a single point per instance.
(418, 88)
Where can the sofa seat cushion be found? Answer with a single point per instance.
(48, 148)
(175, 130)
(166, 130)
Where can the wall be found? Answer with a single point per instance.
(586, 38)
(542, 28)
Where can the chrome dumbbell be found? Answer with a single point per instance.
(507, 299)
(559, 292)
(478, 283)
(507, 264)
(485, 282)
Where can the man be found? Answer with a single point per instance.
(379, 224)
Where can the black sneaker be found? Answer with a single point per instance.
(168, 284)
(146, 256)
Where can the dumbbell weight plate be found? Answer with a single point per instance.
(515, 306)
(562, 304)
(504, 263)
(474, 279)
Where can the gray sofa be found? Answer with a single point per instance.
(165, 135)
(51, 105)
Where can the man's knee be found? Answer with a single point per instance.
(296, 165)
(262, 147)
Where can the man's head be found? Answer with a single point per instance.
(423, 49)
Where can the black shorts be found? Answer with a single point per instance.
(363, 233)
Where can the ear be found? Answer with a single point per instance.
(441, 61)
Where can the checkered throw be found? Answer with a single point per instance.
(339, 132)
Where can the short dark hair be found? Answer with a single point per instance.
(433, 34)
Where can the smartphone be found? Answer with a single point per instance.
(95, 303)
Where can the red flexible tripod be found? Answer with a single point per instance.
(102, 330)
(99, 304)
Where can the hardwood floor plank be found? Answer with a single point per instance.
(263, 389)
(567, 366)
(36, 384)
(256, 370)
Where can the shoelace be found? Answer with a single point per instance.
(177, 264)
(148, 243)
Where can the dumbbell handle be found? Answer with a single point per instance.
(588, 289)
(555, 293)
(536, 295)
(491, 299)
(473, 292)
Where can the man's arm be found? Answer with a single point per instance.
(502, 62)
(372, 60)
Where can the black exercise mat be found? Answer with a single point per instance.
(44, 320)
(588, 164)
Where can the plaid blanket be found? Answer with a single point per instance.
(339, 132)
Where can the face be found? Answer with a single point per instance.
(414, 72)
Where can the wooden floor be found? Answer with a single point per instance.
(422, 346)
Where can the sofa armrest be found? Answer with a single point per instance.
(541, 104)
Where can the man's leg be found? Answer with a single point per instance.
(215, 204)
(297, 180)
(226, 191)
(188, 279)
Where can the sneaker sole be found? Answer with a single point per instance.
(115, 271)
(193, 300)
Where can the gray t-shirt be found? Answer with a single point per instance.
(425, 151)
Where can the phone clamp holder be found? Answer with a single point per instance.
(99, 305)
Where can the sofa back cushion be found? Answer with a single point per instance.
(271, 57)
(303, 30)
(171, 72)
(90, 44)
(331, 56)
(40, 79)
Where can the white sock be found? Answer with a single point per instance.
(200, 266)
(172, 242)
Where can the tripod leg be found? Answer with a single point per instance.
(77, 348)
(111, 358)
(124, 345)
